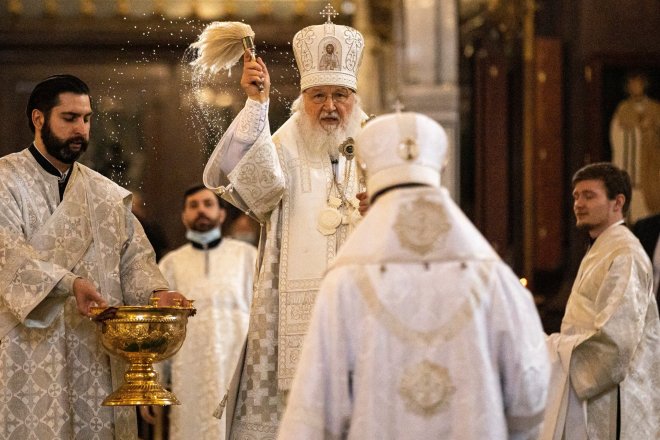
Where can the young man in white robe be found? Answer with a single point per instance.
(303, 190)
(68, 241)
(419, 329)
(218, 272)
(606, 358)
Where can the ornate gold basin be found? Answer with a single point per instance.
(142, 335)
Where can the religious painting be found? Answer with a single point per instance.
(330, 54)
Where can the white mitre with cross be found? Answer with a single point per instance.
(328, 54)
(401, 148)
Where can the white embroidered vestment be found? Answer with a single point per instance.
(54, 374)
(608, 345)
(284, 185)
(419, 331)
(220, 281)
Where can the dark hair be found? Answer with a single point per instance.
(616, 180)
(197, 188)
(46, 94)
(637, 74)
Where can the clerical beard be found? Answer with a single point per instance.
(60, 149)
(318, 139)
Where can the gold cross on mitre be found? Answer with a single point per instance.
(329, 13)
(408, 149)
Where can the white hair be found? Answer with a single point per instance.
(319, 139)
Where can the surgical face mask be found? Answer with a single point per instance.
(203, 238)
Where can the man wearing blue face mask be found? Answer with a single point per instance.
(218, 273)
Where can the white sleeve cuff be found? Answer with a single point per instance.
(251, 121)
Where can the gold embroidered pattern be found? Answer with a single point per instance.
(420, 223)
(426, 388)
(444, 332)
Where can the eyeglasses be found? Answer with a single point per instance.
(339, 96)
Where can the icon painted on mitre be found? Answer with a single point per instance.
(329, 59)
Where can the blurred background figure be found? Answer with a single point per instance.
(635, 138)
(217, 272)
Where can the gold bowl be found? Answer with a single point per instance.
(142, 335)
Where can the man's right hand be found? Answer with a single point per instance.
(254, 74)
(86, 296)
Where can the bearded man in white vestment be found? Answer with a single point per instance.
(68, 240)
(303, 192)
(606, 358)
(218, 271)
(419, 329)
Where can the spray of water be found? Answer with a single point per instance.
(134, 92)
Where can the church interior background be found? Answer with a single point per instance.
(524, 88)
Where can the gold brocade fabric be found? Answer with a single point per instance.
(612, 310)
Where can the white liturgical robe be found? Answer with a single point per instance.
(219, 279)
(609, 345)
(54, 374)
(419, 331)
(285, 185)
